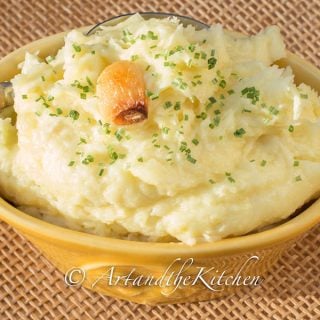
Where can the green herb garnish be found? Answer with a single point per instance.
(195, 141)
(263, 163)
(222, 83)
(212, 62)
(251, 93)
(190, 159)
(74, 114)
(88, 159)
(134, 57)
(239, 132)
(76, 47)
(165, 130)
(230, 178)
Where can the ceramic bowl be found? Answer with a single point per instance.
(103, 260)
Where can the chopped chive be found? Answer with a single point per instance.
(273, 110)
(83, 96)
(230, 178)
(101, 172)
(195, 141)
(303, 96)
(140, 159)
(215, 122)
(167, 104)
(76, 47)
(239, 132)
(134, 57)
(192, 47)
(296, 163)
(291, 128)
(74, 114)
(71, 163)
(24, 96)
(212, 99)
(86, 89)
(177, 105)
(89, 81)
(212, 62)
(169, 64)
(151, 35)
(202, 116)
(298, 178)
(88, 159)
(251, 93)
(263, 163)
(165, 130)
(222, 83)
(190, 159)
(119, 134)
(212, 181)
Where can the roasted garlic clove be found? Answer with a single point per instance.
(121, 90)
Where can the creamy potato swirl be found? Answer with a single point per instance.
(230, 143)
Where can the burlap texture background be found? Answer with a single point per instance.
(31, 288)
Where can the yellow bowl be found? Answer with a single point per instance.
(102, 259)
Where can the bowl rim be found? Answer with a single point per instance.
(38, 228)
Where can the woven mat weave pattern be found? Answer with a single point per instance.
(31, 288)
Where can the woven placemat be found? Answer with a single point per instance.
(31, 288)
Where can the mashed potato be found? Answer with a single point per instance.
(230, 145)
